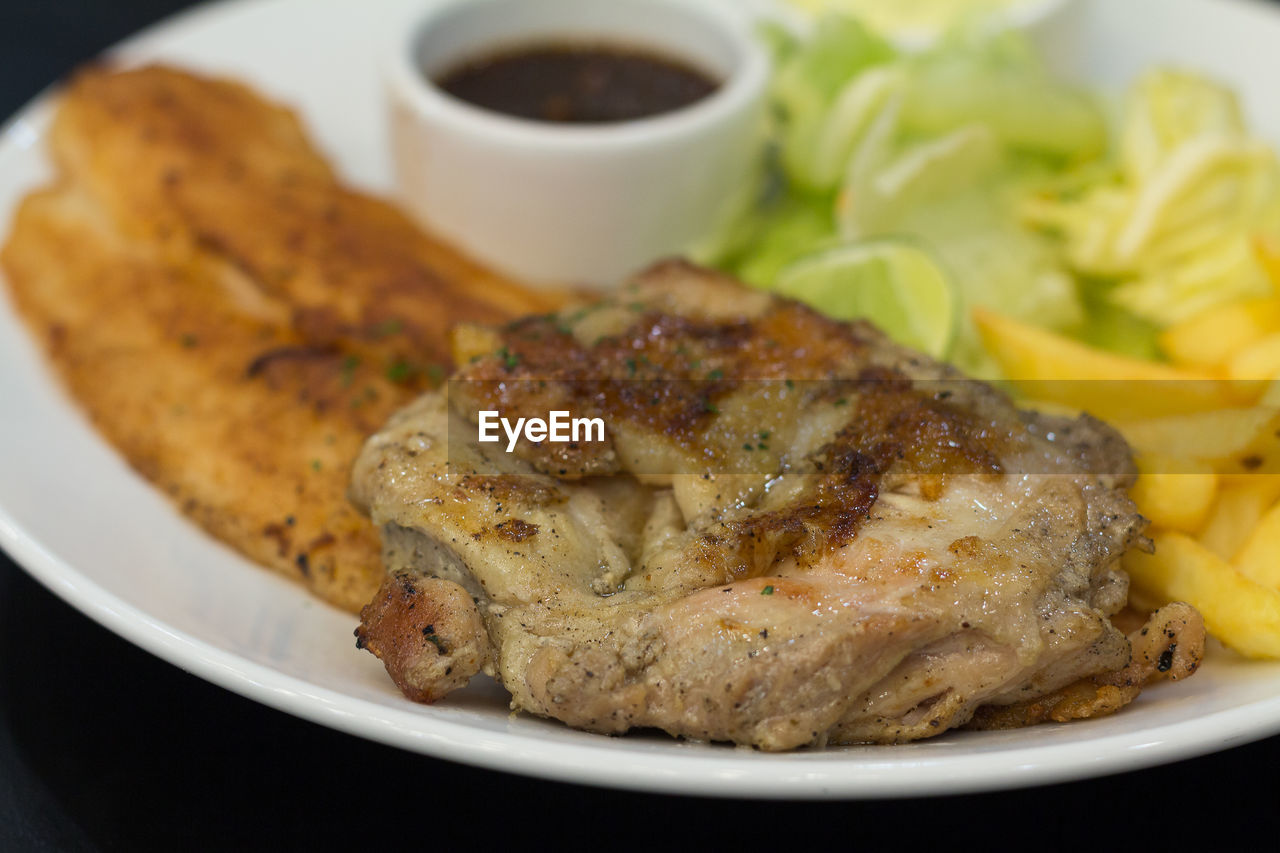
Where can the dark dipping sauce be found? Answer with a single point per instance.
(577, 84)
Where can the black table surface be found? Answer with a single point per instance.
(104, 747)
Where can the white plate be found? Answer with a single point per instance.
(80, 521)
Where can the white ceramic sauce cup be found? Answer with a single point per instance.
(575, 204)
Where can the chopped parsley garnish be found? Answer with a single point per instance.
(509, 359)
(716, 374)
(564, 325)
(400, 371)
(348, 374)
(388, 327)
(768, 590)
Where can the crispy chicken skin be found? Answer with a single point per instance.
(427, 631)
(1170, 645)
(232, 318)
(903, 548)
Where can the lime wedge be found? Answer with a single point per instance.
(895, 284)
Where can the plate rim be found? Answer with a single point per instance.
(810, 777)
(793, 775)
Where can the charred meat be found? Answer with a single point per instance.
(795, 532)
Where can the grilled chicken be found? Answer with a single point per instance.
(794, 532)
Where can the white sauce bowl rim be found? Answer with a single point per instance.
(735, 92)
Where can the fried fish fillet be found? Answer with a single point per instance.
(795, 531)
(230, 316)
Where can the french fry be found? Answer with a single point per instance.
(1203, 447)
(1271, 397)
(1212, 337)
(1240, 504)
(1048, 366)
(1268, 252)
(1051, 407)
(1258, 361)
(1259, 559)
(1241, 613)
(1176, 501)
(1231, 441)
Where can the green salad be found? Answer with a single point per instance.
(911, 187)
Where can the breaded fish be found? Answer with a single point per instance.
(231, 317)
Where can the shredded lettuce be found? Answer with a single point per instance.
(912, 21)
(798, 226)
(942, 146)
(823, 100)
(1014, 182)
(1000, 83)
(1174, 226)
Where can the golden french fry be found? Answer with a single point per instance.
(1051, 407)
(1271, 396)
(1177, 501)
(1047, 366)
(1241, 613)
(1268, 252)
(1259, 361)
(1210, 339)
(1259, 559)
(1242, 500)
(1232, 441)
